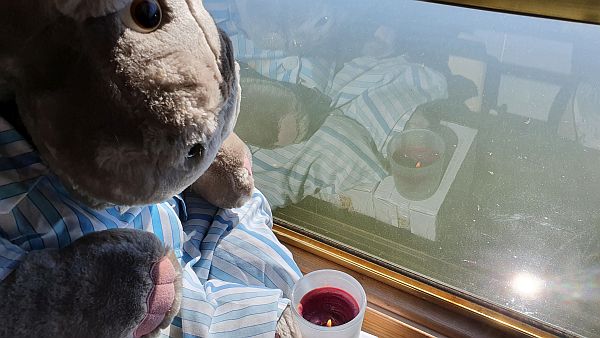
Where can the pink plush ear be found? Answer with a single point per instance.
(228, 182)
(83, 9)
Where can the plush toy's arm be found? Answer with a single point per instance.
(228, 182)
(115, 283)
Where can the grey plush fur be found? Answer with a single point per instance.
(96, 287)
(113, 111)
(122, 117)
(227, 183)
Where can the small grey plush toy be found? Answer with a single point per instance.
(128, 102)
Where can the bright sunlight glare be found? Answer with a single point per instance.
(527, 284)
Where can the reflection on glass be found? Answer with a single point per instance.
(527, 285)
(416, 159)
(327, 84)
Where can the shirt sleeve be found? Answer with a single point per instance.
(237, 277)
(339, 156)
(382, 94)
(10, 257)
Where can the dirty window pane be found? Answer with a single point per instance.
(461, 144)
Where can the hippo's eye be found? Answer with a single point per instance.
(143, 16)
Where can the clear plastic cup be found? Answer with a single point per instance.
(416, 158)
(335, 279)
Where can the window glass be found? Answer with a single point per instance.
(460, 144)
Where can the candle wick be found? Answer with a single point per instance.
(329, 322)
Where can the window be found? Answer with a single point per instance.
(457, 144)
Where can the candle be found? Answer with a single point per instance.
(328, 303)
(416, 159)
(328, 306)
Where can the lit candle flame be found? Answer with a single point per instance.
(418, 164)
(329, 322)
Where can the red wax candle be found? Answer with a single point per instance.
(328, 304)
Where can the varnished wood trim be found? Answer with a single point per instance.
(573, 10)
(407, 285)
(382, 325)
(402, 314)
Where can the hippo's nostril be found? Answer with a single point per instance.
(195, 150)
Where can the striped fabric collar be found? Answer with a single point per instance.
(20, 167)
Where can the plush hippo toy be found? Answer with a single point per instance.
(120, 116)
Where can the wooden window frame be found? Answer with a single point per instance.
(403, 306)
(587, 11)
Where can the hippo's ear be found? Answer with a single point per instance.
(83, 9)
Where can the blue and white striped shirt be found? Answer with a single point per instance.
(237, 276)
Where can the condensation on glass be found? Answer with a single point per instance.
(331, 89)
